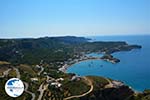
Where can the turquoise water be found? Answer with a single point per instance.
(133, 70)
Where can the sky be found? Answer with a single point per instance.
(39, 18)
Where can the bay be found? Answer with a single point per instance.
(133, 70)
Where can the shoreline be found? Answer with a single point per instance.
(66, 66)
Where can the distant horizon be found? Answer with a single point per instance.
(76, 36)
(38, 18)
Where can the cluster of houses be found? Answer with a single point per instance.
(73, 61)
(56, 82)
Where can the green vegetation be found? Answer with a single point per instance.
(52, 53)
(26, 72)
(69, 88)
(98, 82)
(51, 50)
(102, 93)
(76, 87)
(12, 73)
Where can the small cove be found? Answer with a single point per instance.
(133, 70)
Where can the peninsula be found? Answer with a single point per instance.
(41, 62)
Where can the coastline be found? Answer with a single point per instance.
(86, 58)
(66, 66)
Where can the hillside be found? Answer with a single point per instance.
(37, 62)
(52, 49)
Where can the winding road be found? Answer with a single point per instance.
(42, 88)
(5, 73)
(41, 70)
(26, 90)
(77, 96)
(25, 83)
(110, 85)
(17, 72)
(91, 89)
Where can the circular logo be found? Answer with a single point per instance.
(14, 87)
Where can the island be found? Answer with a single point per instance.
(41, 64)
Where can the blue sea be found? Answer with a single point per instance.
(133, 70)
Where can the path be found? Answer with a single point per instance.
(77, 96)
(110, 85)
(17, 72)
(26, 84)
(42, 88)
(41, 70)
(5, 73)
(26, 90)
